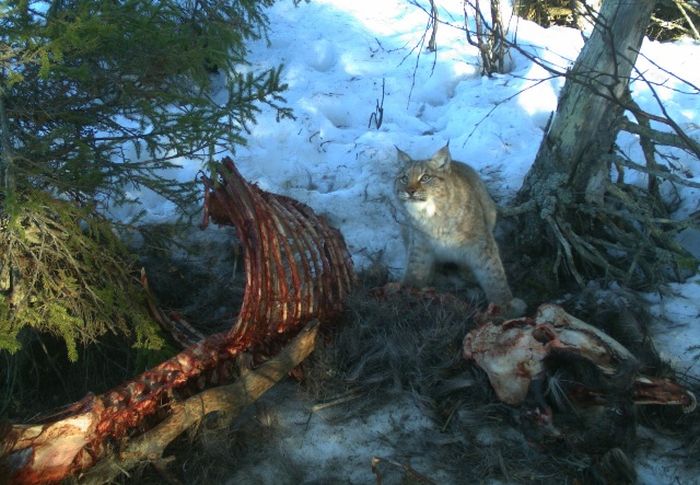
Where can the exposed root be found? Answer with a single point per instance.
(630, 238)
(554, 225)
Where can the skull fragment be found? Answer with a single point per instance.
(513, 354)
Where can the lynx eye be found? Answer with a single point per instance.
(425, 178)
(403, 179)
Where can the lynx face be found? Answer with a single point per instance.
(421, 180)
(421, 184)
(416, 183)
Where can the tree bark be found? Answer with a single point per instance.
(572, 164)
(583, 128)
(7, 181)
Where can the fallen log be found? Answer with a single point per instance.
(229, 401)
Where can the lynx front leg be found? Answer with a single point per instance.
(420, 262)
(485, 262)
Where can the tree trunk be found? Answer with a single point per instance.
(572, 164)
(7, 181)
(583, 128)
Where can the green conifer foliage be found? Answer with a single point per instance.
(96, 97)
(63, 271)
(98, 94)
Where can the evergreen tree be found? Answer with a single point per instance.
(96, 96)
(82, 82)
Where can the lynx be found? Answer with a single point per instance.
(451, 217)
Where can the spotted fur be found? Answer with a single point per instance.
(450, 218)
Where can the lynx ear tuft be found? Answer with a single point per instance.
(442, 158)
(402, 156)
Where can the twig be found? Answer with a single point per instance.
(499, 103)
(342, 399)
(673, 75)
(378, 115)
(410, 474)
(656, 172)
(453, 410)
(418, 46)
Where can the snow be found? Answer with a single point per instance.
(337, 56)
(322, 449)
(660, 464)
(676, 329)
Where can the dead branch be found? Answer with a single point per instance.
(646, 143)
(683, 7)
(691, 144)
(660, 137)
(490, 41)
(410, 475)
(656, 172)
(432, 43)
(228, 401)
(297, 269)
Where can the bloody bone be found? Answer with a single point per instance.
(297, 269)
(512, 354)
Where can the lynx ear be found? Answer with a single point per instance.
(442, 158)
(402, 156)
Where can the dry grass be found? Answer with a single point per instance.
(403, 344)
(400, 345)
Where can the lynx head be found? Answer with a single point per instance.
(421, 180)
